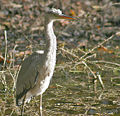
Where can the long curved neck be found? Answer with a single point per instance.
(50, 40)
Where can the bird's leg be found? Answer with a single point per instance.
(22, 107)
(40, 107)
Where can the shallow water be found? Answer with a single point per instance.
(76, 96)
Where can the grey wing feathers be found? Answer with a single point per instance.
(28, 75)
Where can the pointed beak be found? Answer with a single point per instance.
(66, 17)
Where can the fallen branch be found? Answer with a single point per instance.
(69, 53)
(106, 62)
(5, 58)
(98, 76)
(106, 40)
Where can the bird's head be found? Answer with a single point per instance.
(56, 14)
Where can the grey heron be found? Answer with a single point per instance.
(37, 69)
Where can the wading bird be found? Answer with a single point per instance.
(37, 69)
